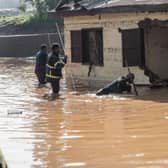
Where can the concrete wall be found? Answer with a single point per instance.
(24, 45)
(112, 43)
(157, 51)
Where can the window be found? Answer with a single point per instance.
(133, 47)
(76, 46)
(87, 46)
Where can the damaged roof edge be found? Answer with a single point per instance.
(114, 9)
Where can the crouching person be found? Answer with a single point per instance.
(3, 163)
(54, 70)
(119, 86)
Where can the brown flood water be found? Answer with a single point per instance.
(79, 131)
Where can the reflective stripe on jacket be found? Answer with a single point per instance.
(54, 67)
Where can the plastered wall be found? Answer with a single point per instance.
(112, 43)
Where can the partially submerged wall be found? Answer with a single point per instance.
(24, 45)
(112, 43)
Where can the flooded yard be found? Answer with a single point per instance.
(83, 130)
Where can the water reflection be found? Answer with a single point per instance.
(79, 130)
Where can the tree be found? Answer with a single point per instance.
(22, 7)
(40, 6)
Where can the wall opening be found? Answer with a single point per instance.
(87, 46)
(92, 46)
(133, 47)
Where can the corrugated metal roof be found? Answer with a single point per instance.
(111, 3)
(94, 4)
(117, 5)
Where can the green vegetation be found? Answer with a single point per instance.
(41, 7)
(40, 14)
(38, 21)
(20, 19)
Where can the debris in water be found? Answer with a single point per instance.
(15, 112)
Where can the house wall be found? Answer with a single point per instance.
(112, 44)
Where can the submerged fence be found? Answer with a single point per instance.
(25, 45)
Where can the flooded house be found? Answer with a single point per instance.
(104, 37)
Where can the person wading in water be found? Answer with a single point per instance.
(40, 68)
(55, 64)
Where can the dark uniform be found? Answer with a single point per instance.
(122, 84)
(54, 71)
(40, 69)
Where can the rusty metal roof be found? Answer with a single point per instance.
(88, 6)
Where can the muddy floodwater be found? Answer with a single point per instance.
(79, 131)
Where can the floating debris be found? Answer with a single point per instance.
(15, 112)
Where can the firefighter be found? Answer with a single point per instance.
(55, 64)
(119, 86)
(40, 68)
(2, 161)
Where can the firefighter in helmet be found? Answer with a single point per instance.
(55, 64)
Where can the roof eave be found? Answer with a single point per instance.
(116, 9)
